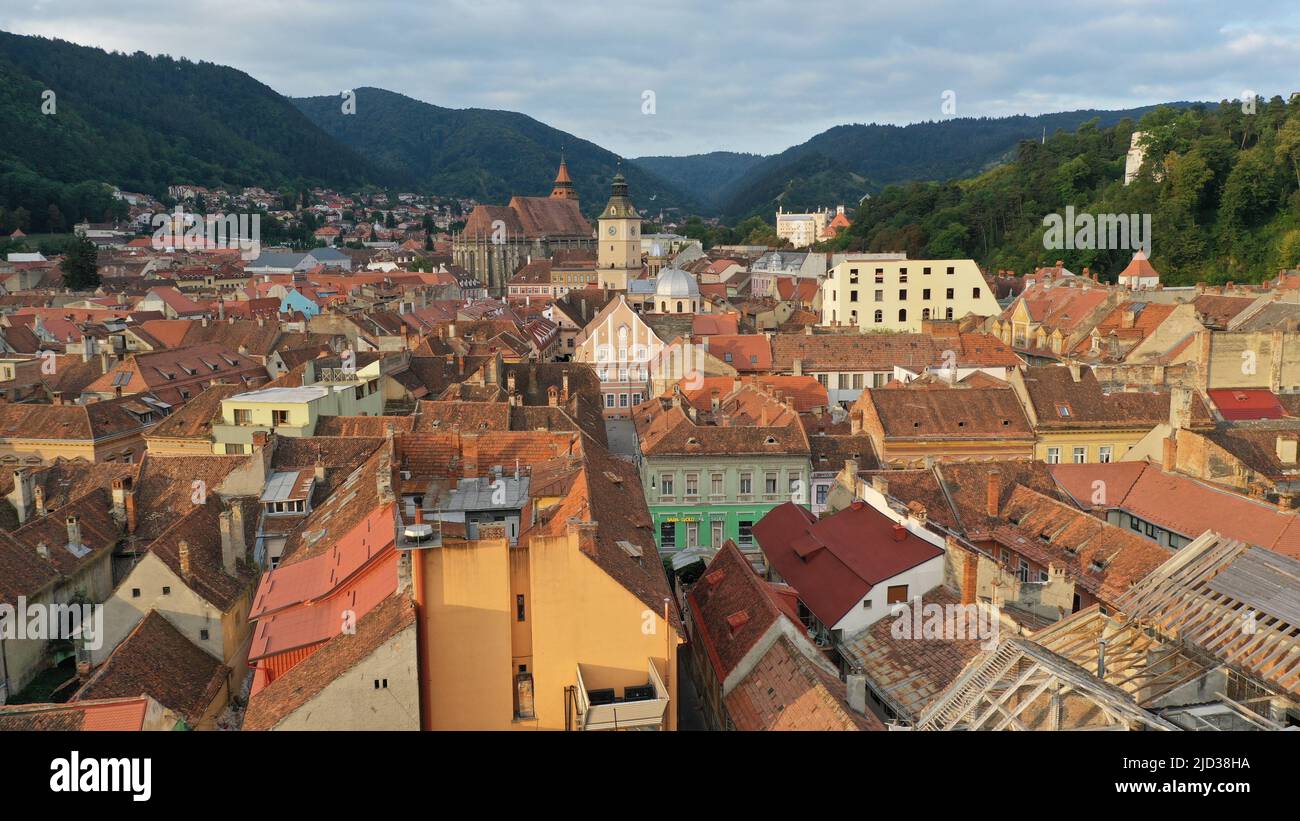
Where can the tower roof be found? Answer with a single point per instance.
(564, 189)
(620, 204)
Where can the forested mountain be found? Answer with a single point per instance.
(141, 123)
(480, 153)
(842, 164)
(704, 176)
(1222, 188)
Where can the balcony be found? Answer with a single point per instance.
(615, 704)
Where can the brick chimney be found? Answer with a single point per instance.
(74, 530)
(231, 524)
(900, 532)
(993, 495)
(1169, 455)
(22, 494)
(183, 550)
(969, 577)
(124, 503)
(585, 533)
(38, 500)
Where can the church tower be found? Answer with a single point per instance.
(564, 189)
(618, 243)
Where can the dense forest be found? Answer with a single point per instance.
(842, 164)
(704, 176)
(1222, 187)
(479, 153)
(76, 120)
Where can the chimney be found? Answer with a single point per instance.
(1169, 455)
(1074, 371)
(1180, 407)
(183, 549)
(993, 496)
(43, 550)
(969, 576)
(900, 532)
(856, 683)
(21, 496)
(231, 523)
(564, 389)
(1286, 449)
(585, 532)
(798, 367)
(121, 490)
(1101, 659)
(38, 500)
(74, 531)
(552, 396)
(319, 472)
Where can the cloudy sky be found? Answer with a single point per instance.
(758, 76)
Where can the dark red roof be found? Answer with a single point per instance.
(1237, 404)
(834, 562)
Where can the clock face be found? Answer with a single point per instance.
(612, 230)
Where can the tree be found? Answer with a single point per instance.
(80, 265)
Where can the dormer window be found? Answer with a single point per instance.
(1063, 410)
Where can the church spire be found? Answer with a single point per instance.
(563, 189)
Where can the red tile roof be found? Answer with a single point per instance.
(834, 562)
(1238, 404)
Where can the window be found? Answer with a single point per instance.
(692, 484)
(951, 270)
(769, 484)
(745, 532)
(1080, 455)
(167, 591)
(203, 635)
(746, 484)
(896, 594)
(519, 607)
(853, 276)
(948, 293)
(1022, 571)
(666, 485)
(902, 275)
(925, 271)
(822, 492)
(857, 381)
(1063, 411)
(844, 381)
(947, 314)
(381, 684)
(243, 416)
(902, 314)
(880, 275)
(793, 483)
(902, 294)
(135, 592)
(975, 293)
(279, 417)
(609, 400)
(880, 296)
(668, 534)
(880, 316)
(622, 400)
(716, 484)
(853, 295)
(925, 293)
(1104, 454)
(925, 313)
(1134, 524)
(1053, 456)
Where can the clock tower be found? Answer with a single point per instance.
(618, 244)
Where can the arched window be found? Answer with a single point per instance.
(679, 306)
(948, 314)
(925, 313)
(663, 307)
(902, 314)
(880, 316)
